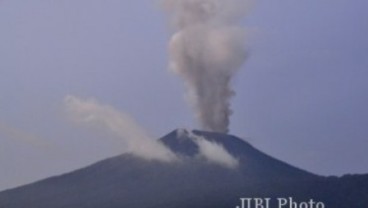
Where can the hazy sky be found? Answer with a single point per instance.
(301, 96)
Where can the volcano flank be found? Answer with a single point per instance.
(195, 182)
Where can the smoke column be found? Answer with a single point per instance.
(206, 50)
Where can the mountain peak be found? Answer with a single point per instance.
(182, 141)
(123, 180)
(251, 160)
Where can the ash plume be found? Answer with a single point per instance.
(214, 152)
(121, 124)
(206, 50)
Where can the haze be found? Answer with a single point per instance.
(301, 95)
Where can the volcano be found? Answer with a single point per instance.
(194, 182)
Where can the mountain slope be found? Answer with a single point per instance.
(128, 181)
(252, 160)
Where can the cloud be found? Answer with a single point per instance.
(91, 112)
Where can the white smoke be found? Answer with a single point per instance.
(89, 111)
(206, 51)
(121, 124)
(214, 152)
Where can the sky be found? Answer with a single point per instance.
(301, 96)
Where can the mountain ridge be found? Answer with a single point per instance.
(129, 181)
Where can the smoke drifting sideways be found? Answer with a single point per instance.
(206, 50)
(89, 111)
(214, 152)
(137, 141)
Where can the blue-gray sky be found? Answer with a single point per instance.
(301, 96)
